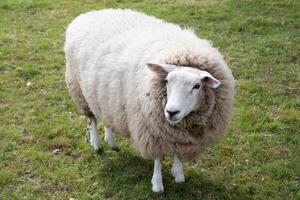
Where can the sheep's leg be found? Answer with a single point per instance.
(109, 138)
(177, 170)
(157, 184)
(94, 136)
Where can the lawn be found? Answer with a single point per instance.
(43, 154)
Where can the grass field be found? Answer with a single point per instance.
(42, 150)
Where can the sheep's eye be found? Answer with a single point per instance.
(166, 81)
(197, 86)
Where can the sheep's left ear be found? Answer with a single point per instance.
(209, 80)
(161, 69)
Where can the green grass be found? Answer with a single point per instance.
(258, 159)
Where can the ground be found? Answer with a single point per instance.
(43, 154)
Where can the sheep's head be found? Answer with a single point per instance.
(184, 87)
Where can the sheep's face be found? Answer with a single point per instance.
(184, 87)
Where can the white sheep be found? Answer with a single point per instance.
(169, 91)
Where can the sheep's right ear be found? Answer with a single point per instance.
(209, 80)
(160, 69)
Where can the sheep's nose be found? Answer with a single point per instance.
(172, 113)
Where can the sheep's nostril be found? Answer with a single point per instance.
(172, 113)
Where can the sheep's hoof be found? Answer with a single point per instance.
(116, 149)
(113, 147)
(100, 151)
(179, 178)
(158, 188)
(157, 185)
(111, 143)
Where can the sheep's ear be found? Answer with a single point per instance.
(160, 69)
(209, 80)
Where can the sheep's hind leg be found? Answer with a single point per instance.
(93, 133)
(177, 170)
(109, 138)
(157, 184)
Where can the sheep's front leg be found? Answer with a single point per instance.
(109, 138)
(157, 184)
(177, 170)
(94, 136)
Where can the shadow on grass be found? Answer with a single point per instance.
(127, 176)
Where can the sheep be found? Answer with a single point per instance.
(159, 84)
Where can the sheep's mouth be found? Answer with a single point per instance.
(173, 120)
